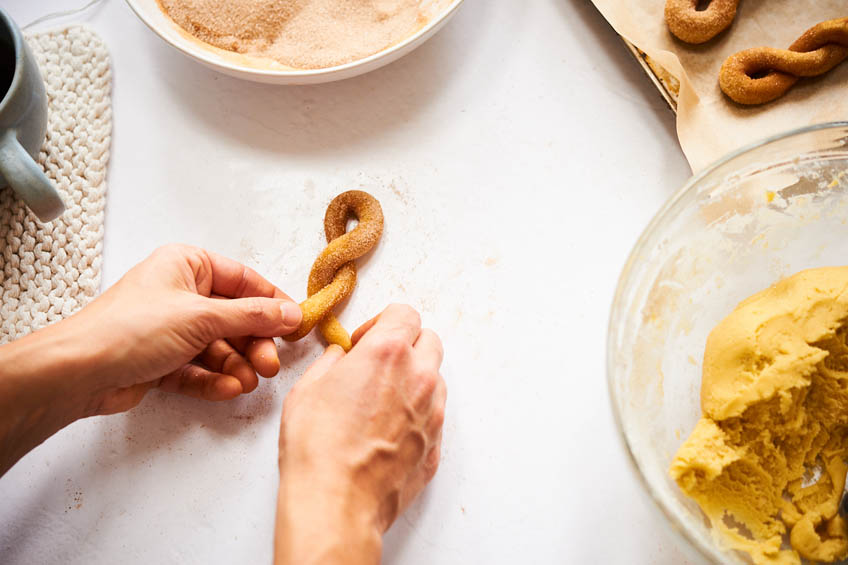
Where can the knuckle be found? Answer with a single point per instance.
(244, 281)
(438, 418)
(198, 309)
(428, 381)
(185, 376)
(392, 347)
(165, 249)
(170, 249)
(431, 463)
(202, 322)
(230, 362)
(170, 252)
(405, 311)
(437, 341)
(254, 310)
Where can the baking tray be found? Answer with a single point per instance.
(667, 85)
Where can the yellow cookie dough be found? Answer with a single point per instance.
(766, 462)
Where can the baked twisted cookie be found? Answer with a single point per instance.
(333, 274)
(691, 25)
(762, 74)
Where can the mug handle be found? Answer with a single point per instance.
(27, 179)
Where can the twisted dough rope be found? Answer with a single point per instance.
(333, 274)
(691, 25)
(821, 48)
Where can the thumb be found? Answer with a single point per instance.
(254, 316)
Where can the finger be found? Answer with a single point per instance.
(198, 382)
(240, 343)
(262, 353)
(363, 329)
(332, 355)
(429, 350)
(255, 316)
(399, 320)
(221, 357)
(234, 280)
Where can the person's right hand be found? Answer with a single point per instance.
(360, 438)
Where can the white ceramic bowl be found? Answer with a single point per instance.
(763, 213)
(263, 70)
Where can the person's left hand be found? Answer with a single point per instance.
(185, 320)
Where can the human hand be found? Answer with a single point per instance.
(360, 438)
(185, 320)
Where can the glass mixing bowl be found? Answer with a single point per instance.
(761, 214)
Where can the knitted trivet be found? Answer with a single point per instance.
(49, 271)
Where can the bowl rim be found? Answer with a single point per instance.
(256, 72)
(704, 551)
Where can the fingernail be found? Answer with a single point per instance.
(291, 314)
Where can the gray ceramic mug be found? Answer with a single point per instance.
(23, 124)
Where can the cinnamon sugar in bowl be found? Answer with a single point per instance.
(287, 41)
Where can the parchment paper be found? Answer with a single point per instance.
(708, 124)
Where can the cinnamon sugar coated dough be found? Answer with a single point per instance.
(333, 274)
(766, 461)
(762, 74)
(693, 25)
(303, 34)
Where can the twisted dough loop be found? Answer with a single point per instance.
(762, 74)
(691, 25)
(333, 274)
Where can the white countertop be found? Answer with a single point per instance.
(518, 155)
